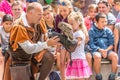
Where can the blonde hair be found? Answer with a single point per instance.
(48, 7)
(92, 6)
(77, 16)
(16, 3)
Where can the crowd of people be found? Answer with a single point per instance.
(25, 26)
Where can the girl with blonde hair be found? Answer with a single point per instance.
(64, 9)
(79, 69)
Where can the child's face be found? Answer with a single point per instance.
(75, 24)
(48, 15)
(64, 11)
(7, 25)
(92, 13)
(117, 7)
(17, 11)
(101, 23)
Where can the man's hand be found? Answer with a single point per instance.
(53, 41)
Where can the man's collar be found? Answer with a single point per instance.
(24, 19)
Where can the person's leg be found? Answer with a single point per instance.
(6, 75)
(47, 63)
(97, 62)
(1, 67)
(62, 63)
(114, 58)
(58, 60)
(89, 59)
(97, 65)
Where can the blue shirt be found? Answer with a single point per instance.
(100, 38)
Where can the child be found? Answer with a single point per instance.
(64, 7)
(17, 9)
(92, 10)
(79, 69)
(117, 8)
(4, 37)
(89, 20)
(48, 17)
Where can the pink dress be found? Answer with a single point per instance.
(5, 7)
(79, 67)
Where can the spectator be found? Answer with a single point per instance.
(82, 5)
(92, 10)
(117, 8)
(117, 40)
(112, 3)
(48, 16)
(89, 20)
(101, 44)
(4, 40)
(104, 7)
(17, 9)
(65, 8)
(117, 32)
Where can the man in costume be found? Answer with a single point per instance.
(27, 44)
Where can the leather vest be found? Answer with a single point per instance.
(20, 56)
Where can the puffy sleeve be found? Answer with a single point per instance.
(18, 34)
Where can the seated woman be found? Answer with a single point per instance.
(48, 16)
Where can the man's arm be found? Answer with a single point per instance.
(31, 48)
